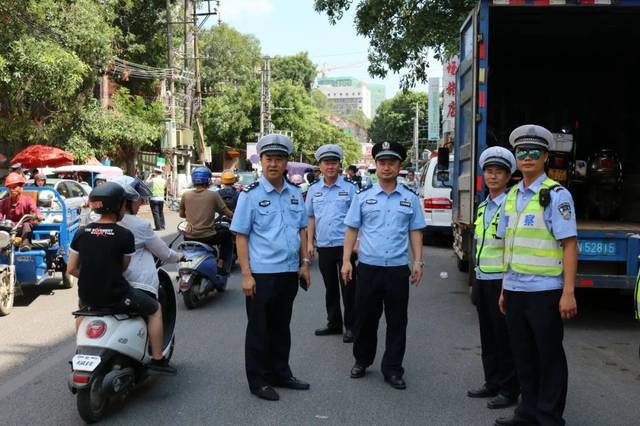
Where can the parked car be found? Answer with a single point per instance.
(435, 196)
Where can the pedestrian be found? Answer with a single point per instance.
(156, 202)
(327, 203)
(412, 183)
(352, 174)
(501, 383)
(270, 224)
(538, 224)
(385, 216)
(17, 168)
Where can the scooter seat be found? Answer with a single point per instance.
(89, 311)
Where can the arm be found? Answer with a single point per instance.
(568, 305)
(227, 212)
(181, 211)
(73, 264)
(416, 251)
(349, 242)
(248, 283)
(304, 265)
(158, 247)
(126, 260)
(311, 231)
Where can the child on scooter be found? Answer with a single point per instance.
(99, 255)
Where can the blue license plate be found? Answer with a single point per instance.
(597, 248)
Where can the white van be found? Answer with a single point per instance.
(435, 197)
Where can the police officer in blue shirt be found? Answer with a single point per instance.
(501, 383)
(538, 224)
(328, 201)
(386, 215)
(270, 223)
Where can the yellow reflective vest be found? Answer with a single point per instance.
(530, 248)
(489, 249)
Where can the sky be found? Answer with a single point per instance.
(286, 27)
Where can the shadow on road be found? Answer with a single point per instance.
(31, 293)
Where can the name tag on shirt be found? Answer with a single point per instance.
(372, 201)
(294, 200)
(343, 193)
(318, 194)
(264, 203)
(405, 203)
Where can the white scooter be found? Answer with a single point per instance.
(113, 352)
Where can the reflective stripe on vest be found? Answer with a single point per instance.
(530, 248)
(157, 189)
(489, 249)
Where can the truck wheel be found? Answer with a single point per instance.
(67, 280)
(463, 265)
(91, 402)
(7, 293)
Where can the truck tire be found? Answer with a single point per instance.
(7, 294)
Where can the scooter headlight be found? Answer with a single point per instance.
(96, 329)
(5, 239)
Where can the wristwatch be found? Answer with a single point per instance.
(420, 263)
(306, 261)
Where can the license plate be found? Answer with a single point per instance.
(85, 362)
(597, 248)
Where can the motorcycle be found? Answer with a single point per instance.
(604, 177)
(112, 352)
(198, 273)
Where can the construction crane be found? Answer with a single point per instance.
(323, 71)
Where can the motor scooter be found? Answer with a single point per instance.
(198, 273)
(112, 352)
(604, 179)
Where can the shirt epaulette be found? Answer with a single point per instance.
(350, 181)
(252, 186)
(364, 189)
(409, 189)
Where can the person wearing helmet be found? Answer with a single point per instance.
(199, 207)
(100, 254)
(228, 191)
(40, 180)
(500, 379)
(16, 205)
(99, 180)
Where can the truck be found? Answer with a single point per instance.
(557, 64)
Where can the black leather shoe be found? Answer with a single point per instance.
(266, 392)
(396, 382)
(501, 401)
(483, 392)
(292, 383)
(358, 371)
(328, 331)
(515, 420)
(347, 337)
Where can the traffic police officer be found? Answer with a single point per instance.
(537, 222)
(386, 215)
(328, 201)
(270, 223)
(501, 382)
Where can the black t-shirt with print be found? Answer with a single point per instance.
(101, 247)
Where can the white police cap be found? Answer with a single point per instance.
(497, 155)
(329, 151)
(531, 135)
(274, 144)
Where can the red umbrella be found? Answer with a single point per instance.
(42, 156)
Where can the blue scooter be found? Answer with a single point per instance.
(198, 274)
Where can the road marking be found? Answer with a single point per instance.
(31, 373)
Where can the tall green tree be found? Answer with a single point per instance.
(403, 32)
(395, 117)
(298, 69)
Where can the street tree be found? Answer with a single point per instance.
(297, 68)
(395, 117)
(402, 33)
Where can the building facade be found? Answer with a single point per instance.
(348, 94)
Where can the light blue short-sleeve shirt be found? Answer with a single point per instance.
(560, 219)
(329, 206)
(272, 221)
(384, 221)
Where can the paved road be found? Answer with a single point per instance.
(442, 362)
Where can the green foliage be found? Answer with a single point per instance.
(402, 32)
(298, 69)
(394, 119)
(229, 58)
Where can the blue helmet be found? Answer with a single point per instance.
(201, 176)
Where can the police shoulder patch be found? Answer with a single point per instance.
(565, 210)
(350, 181)
(364, 189)
(252, 186)
(409, 189)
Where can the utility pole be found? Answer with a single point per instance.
(198, 91)
(172, 85)
(265, 98)
(185, 63)
(416, 134)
